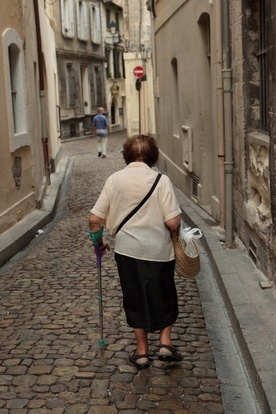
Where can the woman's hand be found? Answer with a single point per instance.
(101, 248)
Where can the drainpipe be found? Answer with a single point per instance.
(228, 136)
(42, 95)
(151, 8)
(219, 92)
(153, 51)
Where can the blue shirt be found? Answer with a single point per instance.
(100, 122)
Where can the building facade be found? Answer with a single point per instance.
(114, 47)
(89, 49)
(80, 61)
(214, 78)
(139, 92)
(30, 148)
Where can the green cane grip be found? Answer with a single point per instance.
(96, 237)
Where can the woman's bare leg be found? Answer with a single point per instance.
(165, 336)
(142, 341)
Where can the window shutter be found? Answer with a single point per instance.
(71, 18)
(98, 26)
(62, 17)
(92, 21)
(85, 21)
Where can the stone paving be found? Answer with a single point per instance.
(51, 361)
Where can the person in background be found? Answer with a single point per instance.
(101, 130)
(143, 247)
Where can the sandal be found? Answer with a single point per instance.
(134, 359)
(170, 354)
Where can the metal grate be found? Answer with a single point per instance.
(165, 167)
(195, 184)
(252, 251)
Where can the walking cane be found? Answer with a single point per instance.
(99, 252)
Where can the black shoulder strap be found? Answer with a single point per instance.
(140, 204)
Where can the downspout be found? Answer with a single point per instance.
(219, 92)
(42, 95)
(151, 8)
(228, 133)
(153, 51)
(140, 25)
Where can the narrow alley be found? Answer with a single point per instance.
(51, 361)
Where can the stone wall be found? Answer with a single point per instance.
(252, 173)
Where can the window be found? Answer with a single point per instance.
(82, 19)
(123, 66)
(71, 85)
(85, 90)
(117, 21)
(113, 110)
(204, 25)
(108, 62)
(95, 24)
(67, 18)
(174, 97)
(97, 86)
(107, 15)
(116, 63)
(15, 89)
(262, 58)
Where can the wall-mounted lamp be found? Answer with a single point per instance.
(113, 30)
(112, 26)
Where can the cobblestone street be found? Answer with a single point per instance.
(51, 361)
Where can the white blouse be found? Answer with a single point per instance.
(145, 236)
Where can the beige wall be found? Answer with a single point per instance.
(17, 175)
(22, 181)
(146, 121)
(188, 114)
(49, 47)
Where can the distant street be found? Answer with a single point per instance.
(51, 361)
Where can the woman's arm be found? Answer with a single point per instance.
(95, 223)
(173, 223)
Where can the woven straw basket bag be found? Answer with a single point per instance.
(185, 265)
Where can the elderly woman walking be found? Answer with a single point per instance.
(143, 248)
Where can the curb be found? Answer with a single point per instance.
(19, 236)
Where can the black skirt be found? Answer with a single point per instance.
(149, 293)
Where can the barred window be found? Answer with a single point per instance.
(262, 59)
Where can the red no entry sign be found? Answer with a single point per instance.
(138, 71)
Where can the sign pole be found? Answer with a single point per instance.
(139, 72)
(139, 97)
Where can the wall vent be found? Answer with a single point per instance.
(252, 251)
(165, 167)
(187, 145)
(195, 185)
